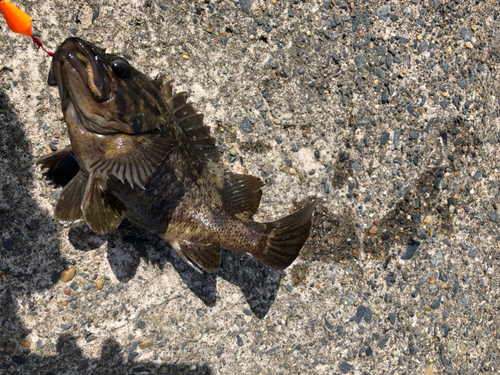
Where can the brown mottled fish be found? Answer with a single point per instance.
(140, 152)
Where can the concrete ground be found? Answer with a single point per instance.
(385, 111)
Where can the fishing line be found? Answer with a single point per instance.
(19, 22)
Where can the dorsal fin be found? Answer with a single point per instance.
(191, 123)
(177, 100)
(244, 191)
(164, 85)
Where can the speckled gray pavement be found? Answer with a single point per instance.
(386, 112)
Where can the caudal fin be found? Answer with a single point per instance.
(285, 238)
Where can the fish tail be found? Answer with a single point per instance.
(285, 238)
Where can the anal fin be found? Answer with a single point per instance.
(103, 212)
(244, 191)
(199, 256)
(68, 211)
(61, 166)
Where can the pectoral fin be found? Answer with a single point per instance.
(102, 211)
(199, 256)
(68, 211)
(139, 160)
(61, 166)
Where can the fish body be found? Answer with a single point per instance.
(143, 153)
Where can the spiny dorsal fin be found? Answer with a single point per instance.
(61, 166)
(177, 100)
(191, 123)
(138, 163)
(164, 85)
(102, 211)
(244, 191)
(198, 255)
(68, 211)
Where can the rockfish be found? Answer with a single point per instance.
(140, 152)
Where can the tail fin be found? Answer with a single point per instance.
(285, 238)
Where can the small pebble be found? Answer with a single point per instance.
(383, 12)
(437, 259)
(99, 283)
(435, 305)
(25, 343)
(428, 219)
(67, 275)
(246, 126)
(239, 341)
(484, 57)
(132, 356)
(464, 300)
(345, 367)
(145, 344)
(466, 34)
(472, 253)
(360, 61)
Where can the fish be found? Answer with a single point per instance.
(141, 152)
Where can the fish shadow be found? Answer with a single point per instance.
(30, 263)
(130, 243)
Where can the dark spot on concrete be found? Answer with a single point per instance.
(299, 273)
(333, 238)
(342, 171)
(416, 203)
(258, 147)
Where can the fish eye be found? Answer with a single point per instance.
(121, 68)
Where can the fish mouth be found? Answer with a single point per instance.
(85, 59)
(79, 72)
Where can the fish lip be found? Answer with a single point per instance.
(85, 59)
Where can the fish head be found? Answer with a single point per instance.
(108, 95)
(115, 114)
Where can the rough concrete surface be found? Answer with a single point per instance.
(385, 111)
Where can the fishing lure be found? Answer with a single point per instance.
(19, 22)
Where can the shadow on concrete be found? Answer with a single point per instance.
(30, 263)
(130, 243)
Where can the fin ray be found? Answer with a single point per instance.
(151, 153)
(285, 238)
(61, 166)
(244, 191)
(102, 211)
(199, 256)
(68, 211)
(192, 125)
